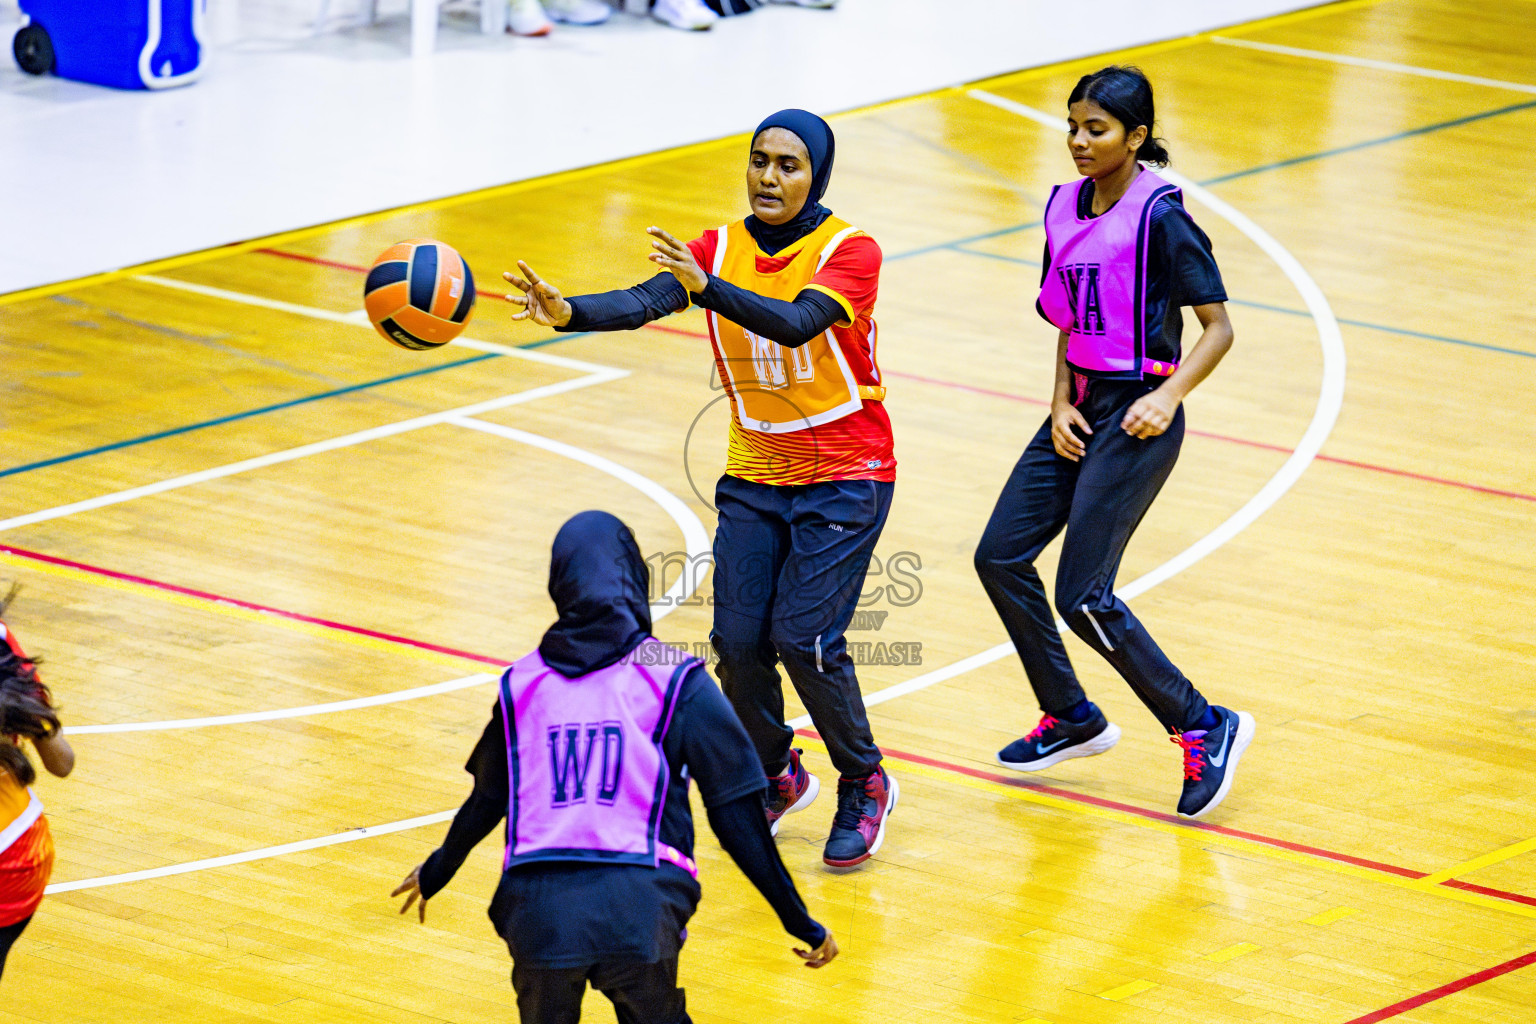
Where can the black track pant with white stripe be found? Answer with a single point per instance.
(1099, 501)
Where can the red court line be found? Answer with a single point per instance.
(1456, 883)
(1414, 1002)
(1141, 812)
(204, 595)
(1064, 794)
(1371, 466)
(354, 268)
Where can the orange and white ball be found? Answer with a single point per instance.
(419, 294)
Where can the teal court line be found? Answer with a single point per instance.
(1385, 329)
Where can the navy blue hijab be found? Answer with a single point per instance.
(819, 143)
(599, 584)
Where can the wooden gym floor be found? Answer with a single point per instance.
(225, 496)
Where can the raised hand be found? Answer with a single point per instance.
(541, 301)
(674, 256)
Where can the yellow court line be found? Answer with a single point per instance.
(1200, 837)
(1127, 990)
(1328, 917)
(1477, 863)
(1221, 956)
(235, 611)
(625, 163)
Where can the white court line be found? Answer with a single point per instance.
(267, 716)
(1379, 65)
(695, 540)
(359, 318)
(274, 458)
(352, 835)
(695, 537)
(1330, 400)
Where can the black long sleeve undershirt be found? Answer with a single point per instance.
(742, 829)
(481, 813)
(791, 324)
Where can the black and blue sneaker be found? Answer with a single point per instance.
(1056, 739)
(1210, 760)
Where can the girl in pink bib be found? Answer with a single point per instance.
(1121, 259)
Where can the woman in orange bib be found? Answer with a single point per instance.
(26, 846)
(789, 295)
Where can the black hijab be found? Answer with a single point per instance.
(819, 143)
(599, 584)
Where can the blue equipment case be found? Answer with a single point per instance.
(127, 44)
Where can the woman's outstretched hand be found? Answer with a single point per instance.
(675, 257)
(411, 888)
(821, 955)
(541, 301)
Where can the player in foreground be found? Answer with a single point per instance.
(789, 296)
(26, 845)
(1121, 257)
(588, 755)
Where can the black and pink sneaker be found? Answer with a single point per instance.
(793, 791)
(863, 807)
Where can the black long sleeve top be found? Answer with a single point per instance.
(571, 914)
(791, 324)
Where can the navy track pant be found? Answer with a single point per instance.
(640, 993)
(1099, 501)
(790, 563)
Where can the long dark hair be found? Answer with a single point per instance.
(26, 708)
(1125, 94)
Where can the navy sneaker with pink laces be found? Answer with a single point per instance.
(1210, 760)
(1055, 740)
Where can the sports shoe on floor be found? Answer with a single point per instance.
(691, 15)
(858, 828)
(820, 5)
(1210, 760)
(527, 18)
(1055, 740)
(577, 12)
(793, 791)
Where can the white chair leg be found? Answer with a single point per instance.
(423, 27)
(493, 17)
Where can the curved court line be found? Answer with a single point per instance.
(695, 540)
(1325, 414)
(1330, 400)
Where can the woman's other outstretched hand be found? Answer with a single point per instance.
(412, 888)
(675, 257)
(541, 301)
(821, 955)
